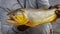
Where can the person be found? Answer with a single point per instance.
(16, 4)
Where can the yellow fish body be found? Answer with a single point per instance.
(34, 17)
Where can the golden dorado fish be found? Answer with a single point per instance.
(33, 17)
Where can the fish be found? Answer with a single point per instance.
(32, 17)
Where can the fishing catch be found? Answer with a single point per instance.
(33, 17)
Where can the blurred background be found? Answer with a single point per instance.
(56, 25)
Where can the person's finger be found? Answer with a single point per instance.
(57, 13)
(57, 6)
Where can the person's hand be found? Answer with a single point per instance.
(57, 13)
(58, 10)
(57, 6)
